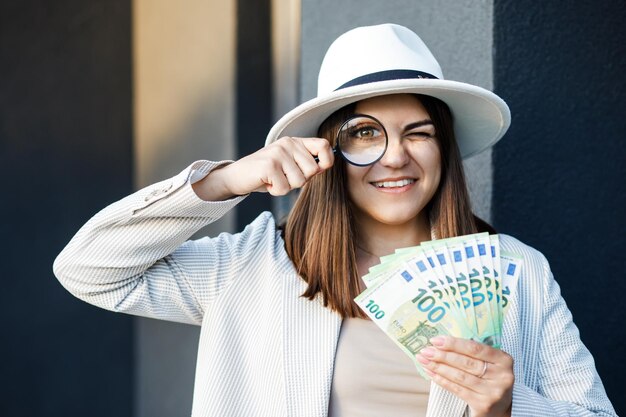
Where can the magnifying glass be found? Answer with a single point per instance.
(361, 140)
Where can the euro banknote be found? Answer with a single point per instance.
(461, 286)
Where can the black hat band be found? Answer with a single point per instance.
(386, 76)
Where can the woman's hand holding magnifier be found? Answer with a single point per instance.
(290, 162)
(282, 166)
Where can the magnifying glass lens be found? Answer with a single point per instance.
(362, 140)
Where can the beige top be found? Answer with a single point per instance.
(373, 377)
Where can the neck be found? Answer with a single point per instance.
(380, 239)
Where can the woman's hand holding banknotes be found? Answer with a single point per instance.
(479, 374)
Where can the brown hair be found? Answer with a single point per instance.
(320, 233)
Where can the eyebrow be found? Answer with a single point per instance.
(418, 124)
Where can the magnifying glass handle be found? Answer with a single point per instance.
(317, 159)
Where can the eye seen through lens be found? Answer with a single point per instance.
(362, 140)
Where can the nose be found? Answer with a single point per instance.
(396, 155)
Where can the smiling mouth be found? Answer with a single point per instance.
(393, 184)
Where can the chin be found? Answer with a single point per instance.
(395, 213)
(396, 216)
(396, 220)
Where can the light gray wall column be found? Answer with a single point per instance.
(458, 32)
(286, 32)
(184, 100)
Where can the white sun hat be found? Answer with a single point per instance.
(391, 59)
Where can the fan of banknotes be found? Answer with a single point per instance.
(459, 286)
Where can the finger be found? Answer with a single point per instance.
(458, 376)
(277, 183)
(293, 173)
(292, 148)
(493, 403)
(306, 161)
(466, 363)
(460, 391)
(467, 347)
(321, 148)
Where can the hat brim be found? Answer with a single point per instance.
(480, 117)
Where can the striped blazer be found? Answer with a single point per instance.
(266, 351)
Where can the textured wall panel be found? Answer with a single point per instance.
(559, 182)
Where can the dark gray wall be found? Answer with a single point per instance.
(254, 93)
(65, 152)
(560, 173)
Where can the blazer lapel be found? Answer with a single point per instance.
(510, 324)
(443, 403)
(511, 329)
(310, 333)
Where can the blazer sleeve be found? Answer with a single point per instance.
(134, 256)
(569, 384)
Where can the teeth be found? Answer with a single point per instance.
(391, 184)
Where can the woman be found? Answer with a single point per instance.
(281, 334)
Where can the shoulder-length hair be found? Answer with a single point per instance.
(320, 231)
